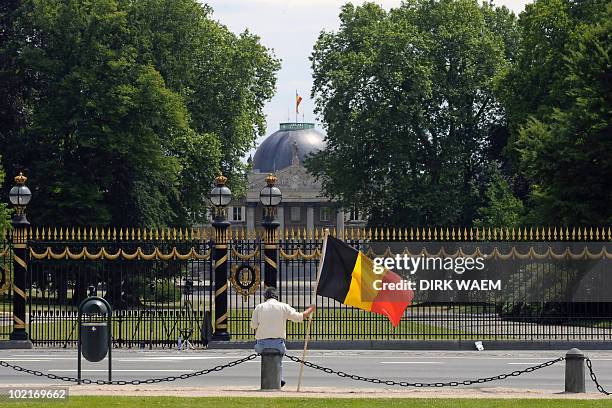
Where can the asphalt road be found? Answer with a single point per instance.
(413, 366)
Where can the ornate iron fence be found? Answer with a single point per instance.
(158, 283)
(161, 283)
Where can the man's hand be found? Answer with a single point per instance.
(309, 311)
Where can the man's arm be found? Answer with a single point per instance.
(295, 316)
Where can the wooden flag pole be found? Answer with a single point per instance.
(314, 295)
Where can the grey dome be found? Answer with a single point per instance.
(276, 152)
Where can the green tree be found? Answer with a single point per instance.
(13, 83)
(103, 127)
(4, 211)
(502, 208)
(408, 99)
(566, 152)
(224, 79)
(535, 85)
(120, 127)
(531, 84)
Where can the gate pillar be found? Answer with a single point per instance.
(220, 197)
(19, 196)
(270, 196)
(270, 252)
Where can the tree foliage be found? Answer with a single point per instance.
(126, 119)
(453, 112)
(408, 98)
(501, 206)
(565, 152)
(4, 211)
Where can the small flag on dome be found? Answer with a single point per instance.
(298, 100)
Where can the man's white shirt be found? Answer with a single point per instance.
(270, 318)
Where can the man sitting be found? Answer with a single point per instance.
(269, 321)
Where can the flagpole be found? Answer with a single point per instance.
(314, 295)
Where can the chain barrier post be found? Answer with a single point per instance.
(271, 360)
(221, 196)
(574, 371)
(20, 196)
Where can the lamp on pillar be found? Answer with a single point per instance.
(220, 197)
(19, 196)
(270, 196)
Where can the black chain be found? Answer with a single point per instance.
(419, 384)
(589, 364)
(327, 370)
(133, 382)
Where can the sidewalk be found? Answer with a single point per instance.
(320, 392)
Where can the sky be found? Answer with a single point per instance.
(290, 28)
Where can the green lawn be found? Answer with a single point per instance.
(328, 324)
(354, 324)
(174, 402)
(329, 328)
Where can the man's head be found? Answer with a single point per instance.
(270, 293)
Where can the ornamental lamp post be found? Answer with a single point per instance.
(220, 197)
(270, 196)
(19, 196)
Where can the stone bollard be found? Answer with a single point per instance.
(574, 371)
(271, 369)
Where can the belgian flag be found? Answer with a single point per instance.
(348, 276)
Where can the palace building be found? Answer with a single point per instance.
(304, 206)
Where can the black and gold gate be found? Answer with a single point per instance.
(173, 284)
(158, 282)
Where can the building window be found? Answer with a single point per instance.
(354, 215)
(295, 214)
(237, 213)
(324, 214)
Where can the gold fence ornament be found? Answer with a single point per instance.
(245, 279)
(104, 254)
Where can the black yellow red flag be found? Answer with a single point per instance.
(348, 276)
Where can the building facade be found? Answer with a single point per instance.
(303, 206)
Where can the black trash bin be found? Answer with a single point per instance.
(94, 340)
(95, 332)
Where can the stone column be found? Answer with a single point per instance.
(250, 216)
(280, 216)
(340, 223)
(310, 218)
